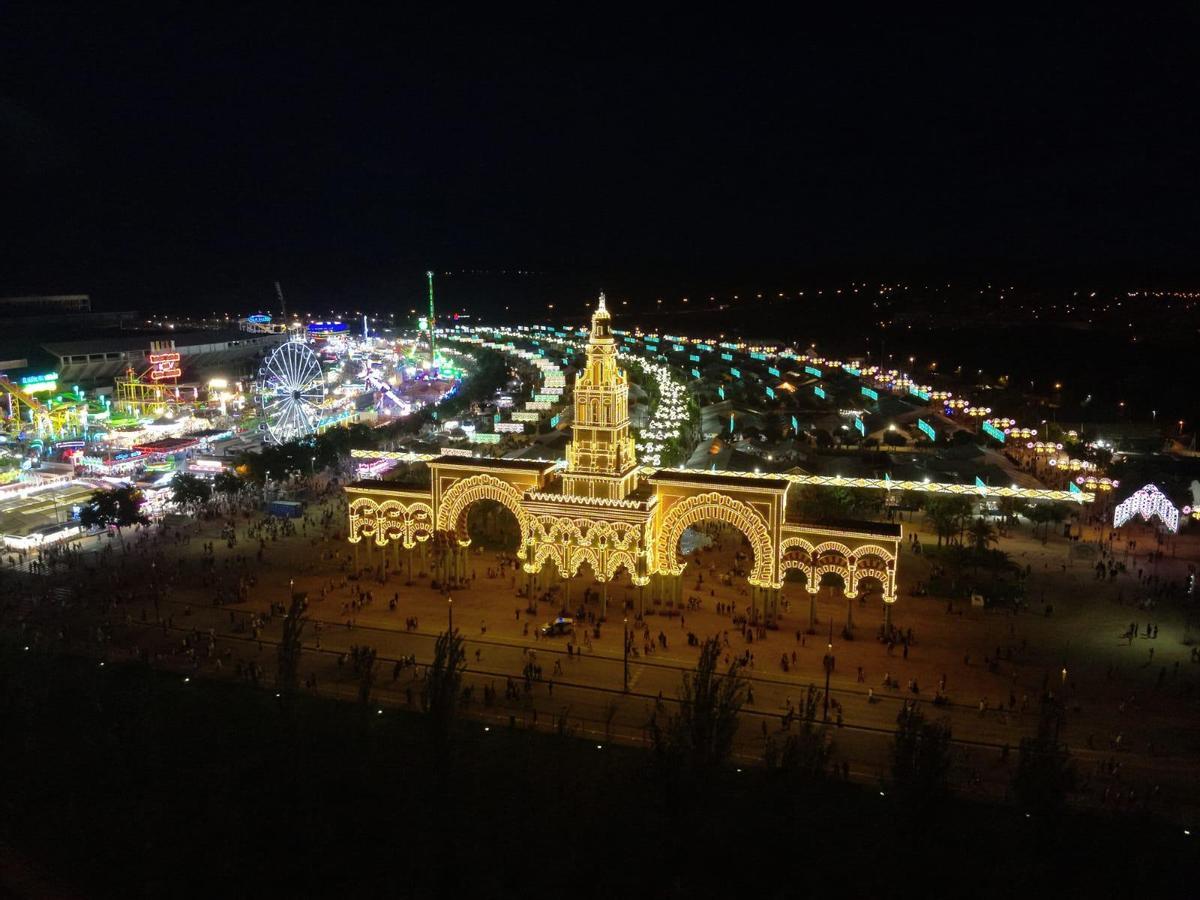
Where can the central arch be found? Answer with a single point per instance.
(452, 509)
(722, 508)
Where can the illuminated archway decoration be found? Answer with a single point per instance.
(1147, 503)
(452, 511)
(602, 507)
(390, 520)
(722, 508)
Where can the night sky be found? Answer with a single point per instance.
(168, 162)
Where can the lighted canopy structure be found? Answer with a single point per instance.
(1148, 503)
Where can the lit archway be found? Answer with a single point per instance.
(722, 508)
(452, 509)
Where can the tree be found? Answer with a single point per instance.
(288, 676)
(982, 534)
(920, 756)
(1045, 513)
(440, 692)
(946, 514)
(1046, 774)
(805, 754)
(700, 737)
(189, 491)
(228, 484)
(366, 675)
(117, 508)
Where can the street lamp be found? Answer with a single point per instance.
(450, 613)
(627, 654)
(828, 667)
(314, 466)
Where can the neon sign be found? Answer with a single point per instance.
(927, 429)
(869, 393)
(164, 366)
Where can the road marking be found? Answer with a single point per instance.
(636, 676)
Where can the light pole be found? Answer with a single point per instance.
(828, 667)
(626, 654)
(313, 467)
(450, 613)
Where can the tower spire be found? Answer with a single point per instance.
(601, 307)
(432, 352)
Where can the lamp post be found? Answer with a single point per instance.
(450, 613)
(626, 654)
(828, 667)
(313, 467)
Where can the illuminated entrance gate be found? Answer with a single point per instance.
(596, 508)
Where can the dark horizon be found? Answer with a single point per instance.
(169, 164)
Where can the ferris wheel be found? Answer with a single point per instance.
(291, 392)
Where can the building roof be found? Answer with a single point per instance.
(486, 462)
(677, 476)
(141, 340)
(883, 529)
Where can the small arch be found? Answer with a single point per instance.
(723, 509)
(452, 509)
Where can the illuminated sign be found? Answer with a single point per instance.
(770, 393)
(721, 392)
(707, 348)
(480, 437)
(819, 391)
(795, 425)
(979, 483)
(695, 373)
(330, 327)
(853, 370)
(678, 348)
(510, 427)
(537, 404)
(918, 393)
(554, 420)
(36, 379)
(858, 424)
(993, 432)
(693, 357)
(870, 394)
(771, 370)
(813, 370)
(927, 429)
(164, 366)
(736, 373)
(728, 357)
(545, 398)
(526, 417)
(761, 357)
(259, 319)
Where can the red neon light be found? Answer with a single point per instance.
(159, 358)
(163, 374)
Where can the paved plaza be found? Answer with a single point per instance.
(1126, 704)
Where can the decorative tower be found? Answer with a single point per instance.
(601, 461)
